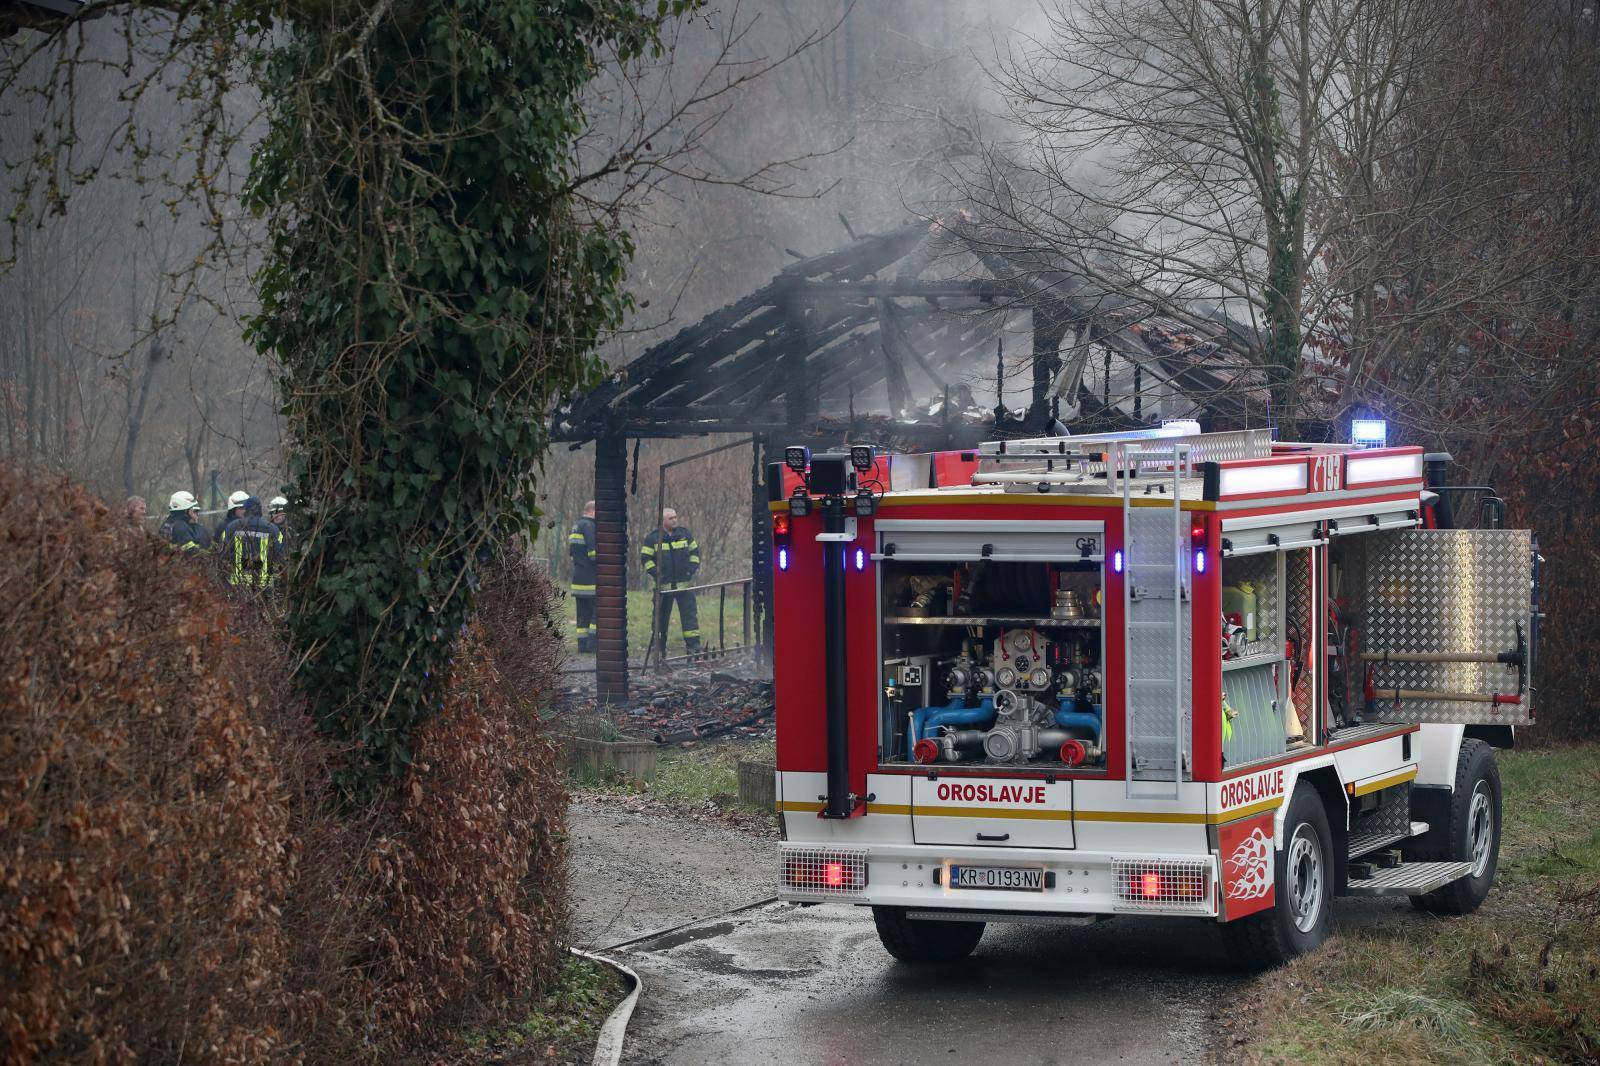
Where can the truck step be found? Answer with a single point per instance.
(1408, 879)
(1366, 843)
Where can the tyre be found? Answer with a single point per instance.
(1299, 917)
(918, 941)
(1473, 836)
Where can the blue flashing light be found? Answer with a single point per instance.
(783, 558)
(1200, 561)
(1369, 432)
(861, 558)
(1116, 560)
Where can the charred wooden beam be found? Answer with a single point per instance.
(983, 290)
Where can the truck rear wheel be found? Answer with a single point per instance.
(1474, 833)
(1299, 918)
(918, 940)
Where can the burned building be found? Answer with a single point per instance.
(900, 339)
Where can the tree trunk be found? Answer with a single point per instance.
(136, 415)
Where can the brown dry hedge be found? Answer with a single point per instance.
(175, 881)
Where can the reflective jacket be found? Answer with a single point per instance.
(673, 557)
(581, 546)
(252, 552)
(187, 535)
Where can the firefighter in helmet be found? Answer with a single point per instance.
(182, 527)
(251, 549)
(278, 515)
(671, 558)
(581, 546)
(236, 502)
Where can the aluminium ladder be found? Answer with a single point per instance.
(1156, 611)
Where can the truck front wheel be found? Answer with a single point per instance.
(1298, 920)
(920, 940)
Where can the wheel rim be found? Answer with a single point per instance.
(1305, 877)
(1480, 829)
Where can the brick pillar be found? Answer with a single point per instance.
(611, 570)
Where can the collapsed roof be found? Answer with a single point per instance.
(903, 330)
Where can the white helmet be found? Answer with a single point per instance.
(182, 501)
(278, 504)
(237, 499)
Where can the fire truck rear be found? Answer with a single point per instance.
(1158, 672)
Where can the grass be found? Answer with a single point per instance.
(692, 777)
(639, 622)
(1519, 981)
(560, 1027)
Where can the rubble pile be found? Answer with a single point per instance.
(686, 705)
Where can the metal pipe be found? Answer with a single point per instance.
(834, 660)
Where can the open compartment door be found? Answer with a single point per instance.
(1449, 625)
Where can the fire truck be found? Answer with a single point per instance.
(1166, 672)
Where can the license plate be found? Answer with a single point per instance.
(1008, 878)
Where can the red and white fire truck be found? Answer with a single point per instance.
(1155, 672)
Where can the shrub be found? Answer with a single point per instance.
(145, 843)
(177, 878)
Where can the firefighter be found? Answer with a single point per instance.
(251, 549)
(235, 510)
(581, 546)
(182, 526)
(278, 515)
(672, 558)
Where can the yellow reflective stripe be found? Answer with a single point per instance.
(691, 633)
(582, 588)
(647, 550)
(576, 538)
(679, 544)
(1365, 787)
(591, 553)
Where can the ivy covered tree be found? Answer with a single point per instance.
(431, 285)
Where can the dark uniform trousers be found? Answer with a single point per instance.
(581, 546)
(672, 559)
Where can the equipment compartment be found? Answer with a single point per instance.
(992, 652)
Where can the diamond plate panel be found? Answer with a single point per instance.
(1297, 622)
(1393, 816)
(1449, 590)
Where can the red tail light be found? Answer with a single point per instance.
(825, 871)
(1150, 885)
(780, 524)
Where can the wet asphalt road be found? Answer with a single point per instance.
(785, 984)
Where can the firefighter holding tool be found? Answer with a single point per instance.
(671, 558)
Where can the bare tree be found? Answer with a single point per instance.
(1207, 151)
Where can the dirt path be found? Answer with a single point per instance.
(634, 873)
(784, 984)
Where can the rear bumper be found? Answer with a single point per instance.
(1075, 882)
